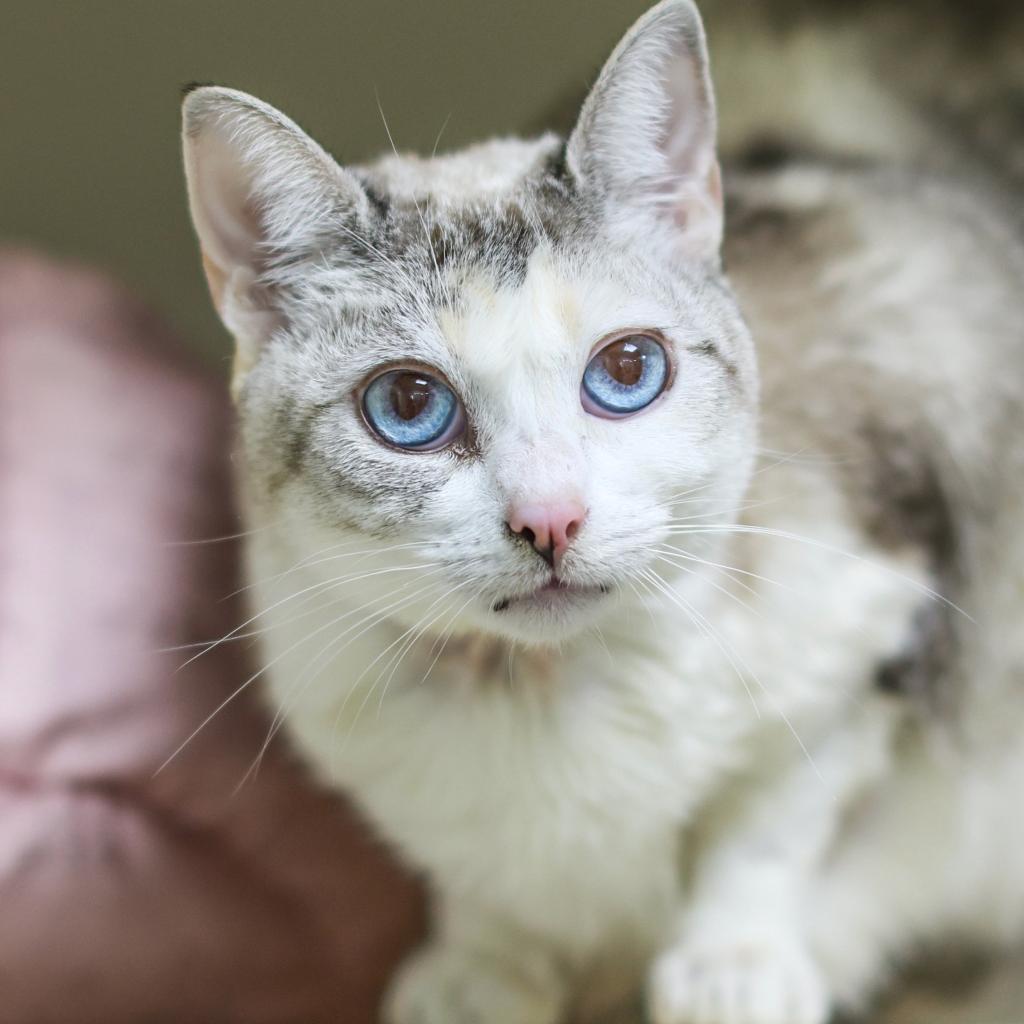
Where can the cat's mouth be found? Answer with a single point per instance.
(554, 594)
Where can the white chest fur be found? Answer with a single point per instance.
(554, 801)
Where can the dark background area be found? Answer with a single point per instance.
(89, 153)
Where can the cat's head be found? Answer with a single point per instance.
(514, 367)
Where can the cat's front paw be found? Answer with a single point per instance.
(760, 979)
(449, 985)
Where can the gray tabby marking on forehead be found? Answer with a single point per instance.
(497, 230)
(419, 236)
(437, 246)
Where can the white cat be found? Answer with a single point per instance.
(665, 669)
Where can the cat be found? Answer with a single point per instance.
(667, 622)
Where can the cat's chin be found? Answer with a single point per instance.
(549, 613)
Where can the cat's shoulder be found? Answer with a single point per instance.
(884, 304)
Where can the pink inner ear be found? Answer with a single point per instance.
(689, 140)
(699, 208)
(694, 182)
(231, 239)
(226, 216)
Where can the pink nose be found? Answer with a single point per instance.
(550, 528)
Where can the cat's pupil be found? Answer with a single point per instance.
(624, 362)
(410, 395)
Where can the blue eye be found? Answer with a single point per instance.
(625, 376)
(414, 410)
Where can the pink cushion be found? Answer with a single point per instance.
(128, 895)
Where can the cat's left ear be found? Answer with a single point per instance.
(644, 144)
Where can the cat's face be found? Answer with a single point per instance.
(493, 379)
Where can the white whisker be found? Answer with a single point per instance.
(697, 618)
(823, 545)
(319, 586)
(304, 680)
(222, 539)
(256, 675)
(419, 213)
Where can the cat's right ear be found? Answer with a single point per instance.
(263, 195)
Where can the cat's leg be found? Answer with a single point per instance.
(741, 953)
(477, 969)
(935, 854)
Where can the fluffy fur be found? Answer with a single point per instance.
(725, 767)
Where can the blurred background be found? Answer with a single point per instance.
(89, 153)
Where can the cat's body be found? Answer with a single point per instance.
(770, 780)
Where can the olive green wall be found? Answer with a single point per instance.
(89, 90)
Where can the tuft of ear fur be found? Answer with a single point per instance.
(645, 138)
(262, 193)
